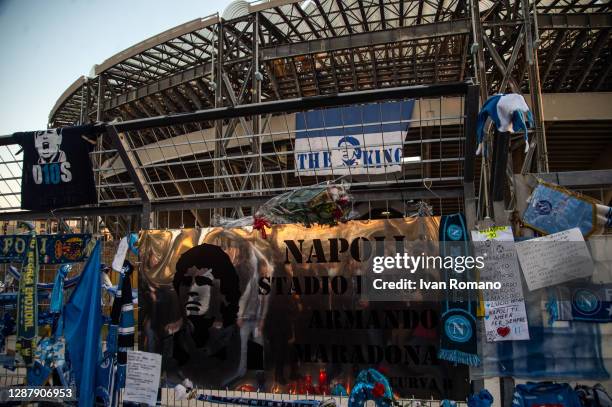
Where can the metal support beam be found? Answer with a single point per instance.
(367, 39)
(553, 51)
(535, 90)
(501, 66)
(600, 43)
(604, 75)
(576, 49)
(516, 88)
(100, 105)
(135, 172)
(574, 21)
(188, 75)
(477, 46)
(275, 106)
(217, 170)
(471, 113)
(257, 180)
(579, 178)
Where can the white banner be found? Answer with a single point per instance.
(352, 140)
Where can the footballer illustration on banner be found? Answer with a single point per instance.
(48, 145)
(52, 167)
(57, 171)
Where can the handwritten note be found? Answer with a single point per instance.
(554, 259)
(505, 314)
(142, 377)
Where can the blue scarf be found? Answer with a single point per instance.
(458, 338)
(57, 295)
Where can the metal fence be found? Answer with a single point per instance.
(184, 168)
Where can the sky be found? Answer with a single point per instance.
(45, 45)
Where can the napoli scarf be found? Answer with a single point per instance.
(124, 306)
(111, 372)
(581, 302)
(458, 337)
(27, 303)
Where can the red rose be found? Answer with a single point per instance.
(378, 390)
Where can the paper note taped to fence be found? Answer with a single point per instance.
(505, 315)
(554, 259)
(142, 377)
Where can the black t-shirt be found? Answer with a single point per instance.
(57, 171)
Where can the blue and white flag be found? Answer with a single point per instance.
(364, 139)
(82, 324)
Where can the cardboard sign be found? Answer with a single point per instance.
(554, 259)
(505, 314)
(142, 377)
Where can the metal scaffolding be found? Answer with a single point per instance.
(288, 51)
(215, 168)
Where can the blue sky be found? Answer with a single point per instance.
(46, 44)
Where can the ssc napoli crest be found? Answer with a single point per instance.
(458, 328)
(454, 232)
(543, 207)
(586, 302)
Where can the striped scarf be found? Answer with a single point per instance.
(110, 377)
(122, 316)
(458, 336)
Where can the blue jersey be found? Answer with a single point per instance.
(545, 394)
(508, 112)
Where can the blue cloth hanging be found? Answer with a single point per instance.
(57, 295)
(508, 112)
(82, 321)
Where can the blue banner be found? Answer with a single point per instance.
(52, 249)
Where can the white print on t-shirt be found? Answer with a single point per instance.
(52, 167)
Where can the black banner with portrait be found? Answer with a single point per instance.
(57, 171)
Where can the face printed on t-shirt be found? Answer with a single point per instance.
(52, 167)
(48, 145)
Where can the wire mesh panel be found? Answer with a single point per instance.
(10, 178)
(16, 376)
(414, 147)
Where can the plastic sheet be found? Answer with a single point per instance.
(564, 350)
(323, 204)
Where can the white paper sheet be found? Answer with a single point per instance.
(505, 314)
(119, 258)
(554, 259)
(142, 377)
